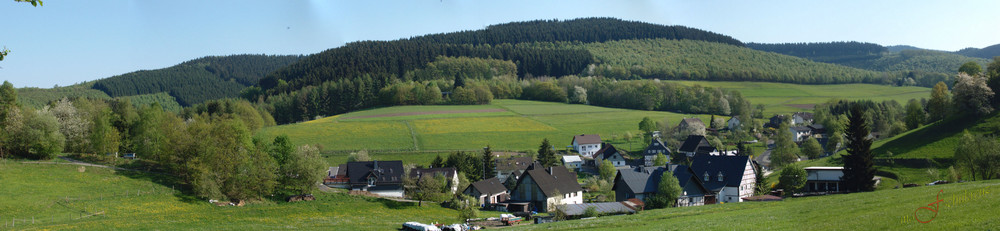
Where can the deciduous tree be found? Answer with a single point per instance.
(792, 178)
(972, 95)
(937, 106)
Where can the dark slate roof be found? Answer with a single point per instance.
(607, 150)
(448, 172)
(513, 163)
(775, 121)
(489, 186)
(646, 179)
(693, 143)
(386, 172)
(587, 139)
(732, 168)
(639, 179)
(684, 174)
(804, 115)
(551, 179)
(690, 121)
(801, 129)
(658, 146)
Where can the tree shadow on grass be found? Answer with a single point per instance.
(179, 189)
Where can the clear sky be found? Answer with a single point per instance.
(71, 41)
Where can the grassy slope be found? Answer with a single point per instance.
(521, 127)
(38, 97)
(966, 206)
(778, 96)
(41, 190)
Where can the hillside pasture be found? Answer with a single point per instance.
(62, 197)
(964, 206)
(786, 98)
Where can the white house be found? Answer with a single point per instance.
(572, 161)
(733, 123)
(449, 173)
(800, 133)
(546, 187)
(731, 178)
(803, 118)
(655, 147)
(587, 144)
(610, 153)
(824, 179)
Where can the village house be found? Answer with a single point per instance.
(802, 118)
(696, 145)
(800, 133)
(336, 177)
(733, 123)
(655, 147)
(775, 121)
(730, 178)
(384, 178)
(824, 179)
(545, 187)
(512, 167)
(587, 145)
(489, 191)
(691, 123)
(449, 173)
(642, 183)
(610, 153)
(572, 161)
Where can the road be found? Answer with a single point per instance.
(764, 159)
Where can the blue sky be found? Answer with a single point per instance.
(71, 41)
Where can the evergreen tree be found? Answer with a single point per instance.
(438, 162)
(545, 154)
(489, 164)
(760, 186)
(858, 165)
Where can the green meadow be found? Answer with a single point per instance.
(515, 125)
(964, 206)
(782, 98)
(68, 197)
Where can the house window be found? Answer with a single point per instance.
(371, 181)
(706, 177)
(720, 176)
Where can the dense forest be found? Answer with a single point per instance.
(195, 81)
(585, 30)
(910, 66)
(697, 60)
(985, 52)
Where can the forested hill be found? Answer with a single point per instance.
(924, 67)
(986, 52)
(585, 30)
(197, 80)
(384, 59)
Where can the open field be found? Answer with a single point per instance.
(787, 98)
(56, 196)
(520, 126)
(965, 206)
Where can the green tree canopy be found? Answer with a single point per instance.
(792, 178)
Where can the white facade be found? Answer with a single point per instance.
(736, 194)
(572, 161)
(586, 149)
(800, 135)
(528, 190)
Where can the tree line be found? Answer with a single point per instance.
(210, 147)
(198, 80)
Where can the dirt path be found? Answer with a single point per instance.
(425, 113)
(81, 163)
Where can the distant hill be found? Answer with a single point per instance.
(698, 60)
(197, 80)
(986, 52)
(925, 67)
(391, 59)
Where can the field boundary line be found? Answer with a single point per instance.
(413, 134)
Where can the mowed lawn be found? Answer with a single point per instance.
(61, 197)
(964, 206)
(519, 126)
(788, 98)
